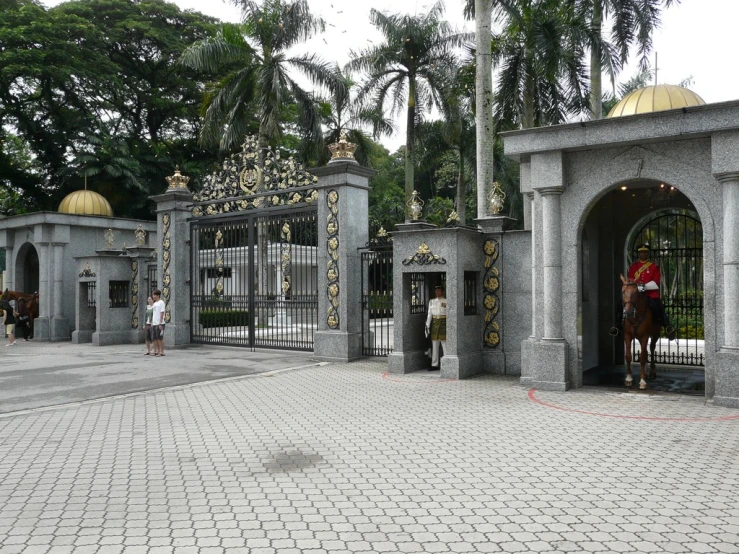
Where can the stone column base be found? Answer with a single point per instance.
(82, 337)
(336, 346)
(59, 329)
(547, 365)
(726, 370)
(176, 335)
(494, 362)
(407, 362)
(461, 367)
(42, 328)
(106, 338)
(137, 336)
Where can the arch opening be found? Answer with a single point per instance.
(626, 215)
(27, 269)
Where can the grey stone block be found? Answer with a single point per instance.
(337, 346)
(726, 371)
(550, 368)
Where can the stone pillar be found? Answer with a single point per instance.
(173, 258)
(7, 241)
(343, 209)
(552, 262)
(725, 368)
(545, 354)
(42, 325)
(139, 256)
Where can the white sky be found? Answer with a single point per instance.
(697, 39)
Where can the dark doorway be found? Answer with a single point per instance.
(30, 281)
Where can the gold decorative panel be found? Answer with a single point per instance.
(332, 273)
(490, 300)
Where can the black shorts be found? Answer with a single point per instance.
(149, 333)
(158, 332)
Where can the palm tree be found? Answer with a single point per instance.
(408, 68)
(257, 72)
(342, 113)
(632, 23)
(540, 49)
(485, 129)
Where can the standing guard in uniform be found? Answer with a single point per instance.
(436, 326)
(647, 276)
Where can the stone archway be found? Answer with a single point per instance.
(27, 269)
(608, 230)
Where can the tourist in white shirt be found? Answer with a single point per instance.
(157, 323)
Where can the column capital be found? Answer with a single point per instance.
(548, 191)
(727, 177)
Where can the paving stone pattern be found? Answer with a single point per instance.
(339, 459)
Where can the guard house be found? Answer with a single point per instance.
(662, 169)
(45, 251)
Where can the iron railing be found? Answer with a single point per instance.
(676, 243)
(377, 302)
(255, 279)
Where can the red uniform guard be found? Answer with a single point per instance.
(647, 275)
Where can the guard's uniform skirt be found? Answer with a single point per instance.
(438, 328)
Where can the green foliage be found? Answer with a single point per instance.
(223, 318)
(386, 197)
(438, 209)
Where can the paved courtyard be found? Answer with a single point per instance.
(344, 458)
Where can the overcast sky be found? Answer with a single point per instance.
(697, 38)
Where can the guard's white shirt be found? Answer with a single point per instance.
(437, 307)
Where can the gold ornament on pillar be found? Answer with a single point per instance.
(415, 206)
(140, 235)
(177, 181)
(342, 150)
(496, 197)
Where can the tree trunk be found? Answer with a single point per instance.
(461, 190)
(528, 119)
(596, 71)
(409, 139)
(485, 132)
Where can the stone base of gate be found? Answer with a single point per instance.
(546, 365)
(461, 367)
(726, 371)
(336, 346)
(42, 328)
(82, 337)
(407, 362)
(176, 335)
(107, 338)
(494, 362)
(59, 329)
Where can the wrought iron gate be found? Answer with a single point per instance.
(255, 279)
(377, 297)
(676, 242)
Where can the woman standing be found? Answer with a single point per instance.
(148, 331)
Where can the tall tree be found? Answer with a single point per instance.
(257, 72)
(408, 69)
(484, 129)
(540, 50)
(632, 24)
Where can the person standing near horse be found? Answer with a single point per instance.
(646, 275)
(23, 319)
(436, 326)
(9, 322)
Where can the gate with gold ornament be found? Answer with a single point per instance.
(254, 259)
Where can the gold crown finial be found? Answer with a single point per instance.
(177, 181)
(342, 150)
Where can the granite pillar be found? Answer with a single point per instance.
(173, 261)
(343, 208)
(552, 263)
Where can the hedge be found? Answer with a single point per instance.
(223, 318)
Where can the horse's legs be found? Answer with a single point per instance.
(652, 346)
(627, 356)
(643, 362)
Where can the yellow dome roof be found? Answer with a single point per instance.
(85, 202)
(656, 98)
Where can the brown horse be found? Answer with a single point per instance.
(639, 323)
(31, 304)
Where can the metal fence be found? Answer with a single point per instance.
(676, 242)
(254, 279)
(377, 302)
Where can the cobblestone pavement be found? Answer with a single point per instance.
(342, 458)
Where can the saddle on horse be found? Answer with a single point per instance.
(658, 309)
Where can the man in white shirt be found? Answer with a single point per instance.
(436, 326)
(157, 322)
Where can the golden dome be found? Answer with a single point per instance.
(656, 98)
(85, 202)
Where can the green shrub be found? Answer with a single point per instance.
(223, 318)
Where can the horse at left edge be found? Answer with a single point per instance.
(32, 302)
